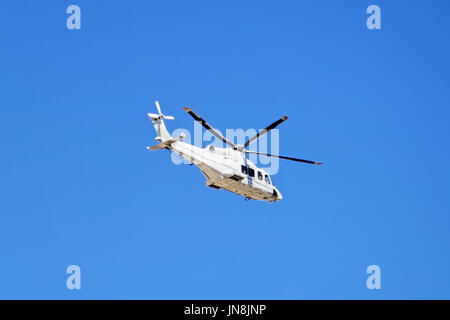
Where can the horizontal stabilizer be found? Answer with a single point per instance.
(166, 143)
(157, 147)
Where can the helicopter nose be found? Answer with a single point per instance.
(279, 196)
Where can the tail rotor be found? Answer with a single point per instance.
(159, 116)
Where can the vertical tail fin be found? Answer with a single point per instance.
(158, 123)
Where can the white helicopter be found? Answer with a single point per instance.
(224, 168)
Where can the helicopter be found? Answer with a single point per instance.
(224, 168)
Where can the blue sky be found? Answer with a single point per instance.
(79, 187)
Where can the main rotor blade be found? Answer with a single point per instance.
(209, 128)
(281, 157)
(158, 107)
(264, 131)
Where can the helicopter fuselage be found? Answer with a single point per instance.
(229, 169)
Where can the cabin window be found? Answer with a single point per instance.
(244, 169)
(260, 176)
(251, 172)
(267, 179)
